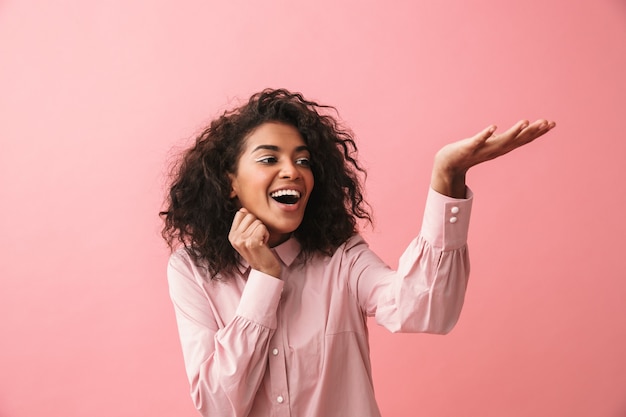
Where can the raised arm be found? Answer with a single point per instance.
(426, 293)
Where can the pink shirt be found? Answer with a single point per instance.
(255, 345)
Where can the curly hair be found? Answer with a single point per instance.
(199, 210)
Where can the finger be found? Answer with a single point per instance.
(503, 143)
(520, 126)
(244, 219)
(248, 223)
(519, 134)
(537, 129)
(253, 236)
(241, 225)
(516, 137)
(239, 215)
(482, 136)
(250, 229)
(513, 131)
(545, 125)
(259, 234)
(249, 241)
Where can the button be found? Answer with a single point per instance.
(280, 399)
(274, 351)
(454, 210)
(453, 219)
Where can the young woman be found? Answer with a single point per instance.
(272, 283)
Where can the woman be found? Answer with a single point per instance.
(272, 283)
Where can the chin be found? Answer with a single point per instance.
(285, 229)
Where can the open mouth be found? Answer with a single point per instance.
(286, 196)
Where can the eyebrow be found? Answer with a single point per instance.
(276, 148)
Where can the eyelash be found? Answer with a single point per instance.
(267, 160)
(305, 162)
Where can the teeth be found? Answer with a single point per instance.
(281, 193)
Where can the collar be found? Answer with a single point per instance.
(286, 252)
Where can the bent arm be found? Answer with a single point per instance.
(427, 291)
(225, 364)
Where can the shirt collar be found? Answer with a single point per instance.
(287, 252)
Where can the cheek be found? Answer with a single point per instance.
(254, 188)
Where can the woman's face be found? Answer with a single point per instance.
(273, 179)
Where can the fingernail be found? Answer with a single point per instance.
(524, 125)
(543, 125)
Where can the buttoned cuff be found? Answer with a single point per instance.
(260, 298)
(446, 220)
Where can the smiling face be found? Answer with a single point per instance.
(273, 179)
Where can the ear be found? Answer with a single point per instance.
(233, 185)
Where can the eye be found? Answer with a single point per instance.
(305, 162)
(267, 160)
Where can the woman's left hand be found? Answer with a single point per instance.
(454, 160)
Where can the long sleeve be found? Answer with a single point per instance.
(427, 291)
(225, 350)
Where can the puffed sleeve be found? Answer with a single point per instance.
(218, 357)
(427, 291)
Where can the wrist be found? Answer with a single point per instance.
(449, 182)
(273, 271)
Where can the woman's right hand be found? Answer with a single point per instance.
(249, 237)
(454, 160)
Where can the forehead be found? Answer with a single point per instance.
(284, 136)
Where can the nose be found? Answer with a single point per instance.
(289, 170)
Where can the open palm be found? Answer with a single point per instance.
(454, 160)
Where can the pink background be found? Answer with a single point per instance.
(94, 96)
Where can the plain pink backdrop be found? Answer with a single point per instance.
(95, 95)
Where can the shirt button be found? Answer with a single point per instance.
(453, 219)
(280, 399)
(275, 352)
(454, 210)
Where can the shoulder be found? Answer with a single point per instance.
(351, 248)
(356, 241)
(356, 253)
(181, 265)
(180, 260)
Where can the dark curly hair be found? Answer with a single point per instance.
(199, 210)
